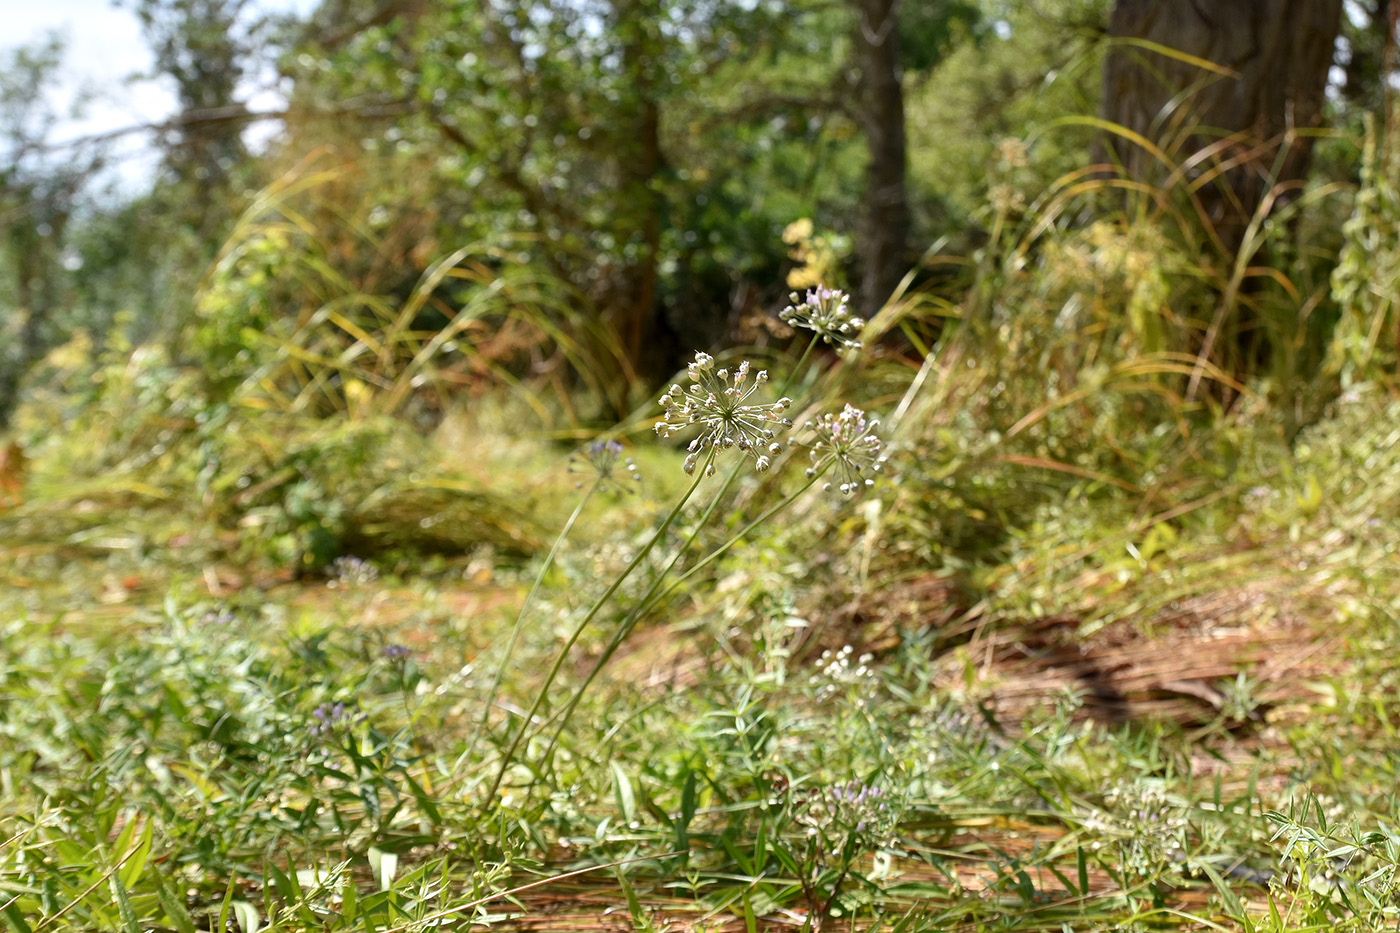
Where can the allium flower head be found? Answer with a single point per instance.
(601, 459)
(823, 311)
(848, 443)
(719, 402)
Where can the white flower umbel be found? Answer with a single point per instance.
(720, 403)
(823, 311)
(846, 442)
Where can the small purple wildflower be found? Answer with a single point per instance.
(219, 617)
(395, 652)
(331, 717)
(852, 807)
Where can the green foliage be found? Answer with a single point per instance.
(616, 135)
(278, 327)
(1369, 266)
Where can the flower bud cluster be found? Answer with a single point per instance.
(1151, 831)
(834, 673)
(331, 718)
(601, 458)
(823, 311)
(848, 443)
(852, 807)
(719, 403)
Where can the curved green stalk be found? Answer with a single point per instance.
(652, 598)
(583, 624)
(520, 622)
(797, 367)
(648, 600)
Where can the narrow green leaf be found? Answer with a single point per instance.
(349, 901)
(284, 885)
(1060, 876)
(175, 911)
(760, 849)
(247, 916)
(126, 838)
(750, 921)
(626, 797)
(634, 904)
(222, 925)
(14, 918)
(425, 802)
(130, 873)
(123, 904)
(688, 797)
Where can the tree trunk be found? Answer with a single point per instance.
(885, 212)
(640, 160)
(1237, 132)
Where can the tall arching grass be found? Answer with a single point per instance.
(287, 331)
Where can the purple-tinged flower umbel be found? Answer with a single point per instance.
(823, 311)
(332, 717)
(353, 571)
(848, 443)
(601, 458)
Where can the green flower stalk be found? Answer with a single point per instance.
(583, 624)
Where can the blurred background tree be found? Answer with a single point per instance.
(40, 187)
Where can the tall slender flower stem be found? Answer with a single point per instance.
(584, 623)
(797, 367)
(652, 597)
(655, 595)
(520, 621)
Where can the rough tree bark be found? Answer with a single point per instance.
(1241, 126)
(884, 227)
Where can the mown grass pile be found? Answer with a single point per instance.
(285, 647)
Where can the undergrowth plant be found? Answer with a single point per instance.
(728, 411)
